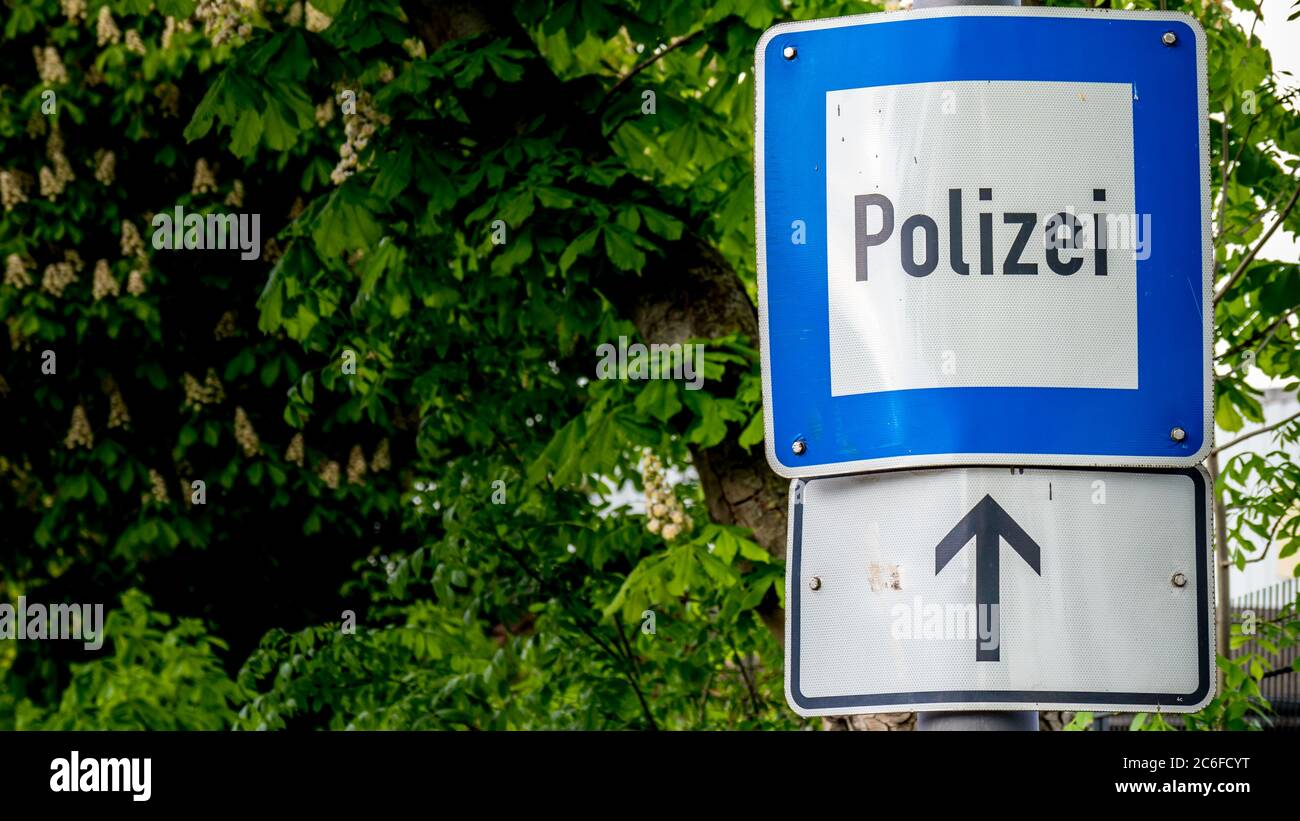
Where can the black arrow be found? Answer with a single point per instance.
(987, 521)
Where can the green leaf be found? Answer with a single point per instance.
(579, 247)
(661, 224)
(345, 223)
(22, 19)
(621, 250)
(517, 209)
(271, 302)
(628, 218)
(180, 9)
(1225, 414)
(753, 432)
(280, 133)
(551, 197)
(201, 120)
(708, 427)
(394, 174)
(1289, 549)
(270, 372)
(515, 254)
(659, 399)
(243, 138)
(77, 487)
(399, 303)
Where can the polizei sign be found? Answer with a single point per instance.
(979, 243)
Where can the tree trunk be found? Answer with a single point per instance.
(1222, 567)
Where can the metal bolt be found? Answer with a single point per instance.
(1169, 38)
(815, 583)
(789, 52)
(798, 447)
(1178, 434)
(1179, 579)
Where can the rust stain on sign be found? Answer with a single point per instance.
(884, 577)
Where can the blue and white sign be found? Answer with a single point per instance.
(983, 238)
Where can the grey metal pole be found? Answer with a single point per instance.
(1004, 720)
(974, 719)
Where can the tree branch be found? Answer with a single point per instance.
(1250, 257)
(1266, 335)
(1271, 536)
(1232, 169)
(1255, 433)
(1265, 211)
(634, 673)
(1281, 671)
(1236, 158)
(642, 66)
(1223, 170)
(749, 682)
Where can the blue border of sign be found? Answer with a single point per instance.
(1002, 425)
(1010, 699)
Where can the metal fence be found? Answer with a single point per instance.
(1281, 682)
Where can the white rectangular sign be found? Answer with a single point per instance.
(1000, 588)
(934, 303)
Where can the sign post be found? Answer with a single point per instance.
(1025, 720)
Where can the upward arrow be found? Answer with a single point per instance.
(987, 522)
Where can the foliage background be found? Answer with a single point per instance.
(374, 491)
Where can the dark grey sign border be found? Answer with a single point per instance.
(1022, 697)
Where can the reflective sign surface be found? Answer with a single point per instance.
(980, 243)
(999, 588)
